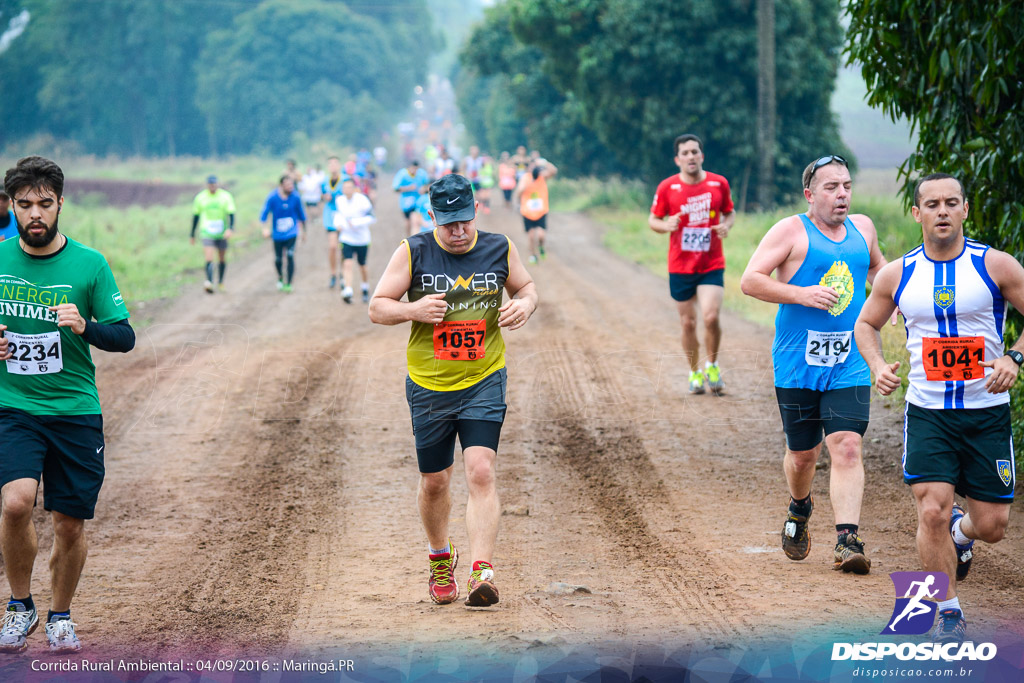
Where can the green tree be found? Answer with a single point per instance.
(953, 71)
(255, 90)
(644, 71)
(113, 75)
(507, 100)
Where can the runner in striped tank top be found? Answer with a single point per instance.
(952, 292)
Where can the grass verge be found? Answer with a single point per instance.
(148, 248)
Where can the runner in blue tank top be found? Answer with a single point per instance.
(821, 259)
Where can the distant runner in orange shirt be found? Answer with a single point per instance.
(533, 205)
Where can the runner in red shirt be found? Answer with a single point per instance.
(695, 208)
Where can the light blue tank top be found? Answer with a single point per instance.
(815, 349)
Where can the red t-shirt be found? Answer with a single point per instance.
(694, 247)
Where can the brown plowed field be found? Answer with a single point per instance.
(129, 193)
(261, 481)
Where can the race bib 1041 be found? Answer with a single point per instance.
(949, 359)
(826, 349)
(34, 354)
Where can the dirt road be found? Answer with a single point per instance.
(260, 491)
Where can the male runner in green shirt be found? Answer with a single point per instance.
(214, 210)
(57, 297)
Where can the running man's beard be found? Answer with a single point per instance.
(41, 241)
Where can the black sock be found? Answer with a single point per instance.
(28, 602)
(59, 615)
(842, 529)
(220, 272)
(209, 271)
(800, 507)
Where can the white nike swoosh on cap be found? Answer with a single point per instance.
(453, 200)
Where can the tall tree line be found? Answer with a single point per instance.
(209, 76)
(624, 77)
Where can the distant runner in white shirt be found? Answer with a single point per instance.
(353, 217)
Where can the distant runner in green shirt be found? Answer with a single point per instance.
(213, 211)
(57, 297)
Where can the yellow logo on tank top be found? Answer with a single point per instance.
(464, 282)
(840, 279)
(944, 296)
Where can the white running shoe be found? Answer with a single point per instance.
(208, 286)
(346, 294)
(61, 634)
(17, 626)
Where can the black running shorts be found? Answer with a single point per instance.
(972, 449)
(807, 414)
(359, 252)
(683, 286)
(474, 414)
(530, 224)
(66, 451)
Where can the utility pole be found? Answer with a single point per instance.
(765, 103)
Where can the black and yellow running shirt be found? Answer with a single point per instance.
(467, 346)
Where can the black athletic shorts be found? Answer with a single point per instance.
(349, 250)
(541, 222)
(683, 286)
(475, 414)
(972, 449)
(408, 212)
(807, 413)
(66, 451)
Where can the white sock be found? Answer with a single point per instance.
(709, 364)
(953, 603)
(366, 286)
(446, 549)
(959, 537)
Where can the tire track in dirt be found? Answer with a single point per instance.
(225, 578)
(615, 475)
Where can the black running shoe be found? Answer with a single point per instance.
(796, 539)
(849, 555)
(964, 553)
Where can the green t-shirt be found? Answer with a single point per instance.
(213, 211)
(51, 372)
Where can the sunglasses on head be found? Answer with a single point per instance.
(825, 161)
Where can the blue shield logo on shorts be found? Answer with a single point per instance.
(1005, 470)
(916, 595)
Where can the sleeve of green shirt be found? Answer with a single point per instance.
(230, 203)
(107, 303)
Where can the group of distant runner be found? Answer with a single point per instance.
(523, 177)
(450, 280)
(342, 197)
